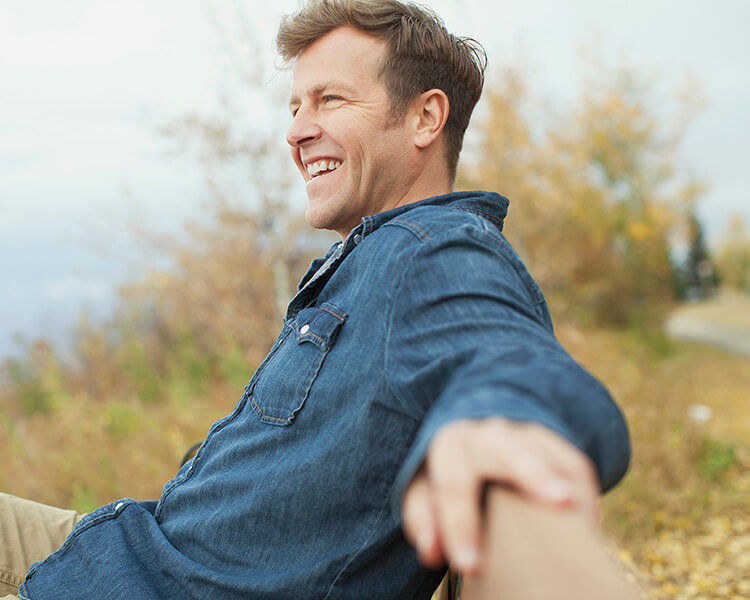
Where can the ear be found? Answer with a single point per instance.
(431, 112)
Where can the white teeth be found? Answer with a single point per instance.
(323, 165)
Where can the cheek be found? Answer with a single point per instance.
(295, 159)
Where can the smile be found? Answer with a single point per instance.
(322, 166)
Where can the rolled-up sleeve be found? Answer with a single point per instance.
(469, 337)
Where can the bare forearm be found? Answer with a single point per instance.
(534, 552)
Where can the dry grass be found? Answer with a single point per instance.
(82, 454)
(679, 519)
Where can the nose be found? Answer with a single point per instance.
(303, 129)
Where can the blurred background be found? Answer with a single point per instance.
(151, 233)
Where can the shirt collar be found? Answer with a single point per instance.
(490, 205)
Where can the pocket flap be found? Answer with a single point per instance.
(318, 325)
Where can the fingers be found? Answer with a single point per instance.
(442, 506)
(456, 486)
(538, 463)
(504, 455)
(574, 472)
(420, 524)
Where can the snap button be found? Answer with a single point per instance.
(357, 238)
(304, 329)
(119, 505)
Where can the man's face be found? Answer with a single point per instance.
(355, 160)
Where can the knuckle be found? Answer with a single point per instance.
(453, 434)
(415, 501)
(451, 483)
(409, 504)
(410, 528)
(411, 518)
(533, 467)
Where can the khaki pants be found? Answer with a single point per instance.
(29, 532)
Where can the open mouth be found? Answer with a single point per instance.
(323, 167)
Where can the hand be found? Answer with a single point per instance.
(441, 507)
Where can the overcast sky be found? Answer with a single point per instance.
(83, 83)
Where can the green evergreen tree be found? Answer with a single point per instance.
(699, 277)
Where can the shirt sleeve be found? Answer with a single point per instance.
(469, 337)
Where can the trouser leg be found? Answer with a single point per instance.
(29, 532)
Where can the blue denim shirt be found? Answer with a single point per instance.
(423, 315)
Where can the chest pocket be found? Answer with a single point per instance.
(283, 383)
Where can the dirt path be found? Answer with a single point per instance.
(722, 321)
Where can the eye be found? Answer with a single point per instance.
(331, 98)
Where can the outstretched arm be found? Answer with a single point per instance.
(471, 350)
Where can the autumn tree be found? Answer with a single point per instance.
(230, 279)
(595, 195)
(211, 309)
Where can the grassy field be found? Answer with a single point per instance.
(679, 520)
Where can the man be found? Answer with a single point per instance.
(416, 362)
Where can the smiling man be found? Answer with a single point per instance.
(357, 157)
(416, 364)
(381, 97)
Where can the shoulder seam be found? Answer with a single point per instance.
(409, 226)
(423, 236)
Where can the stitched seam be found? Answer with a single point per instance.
(328, 310)
(483, 214)
(535, 292)
(476, 234)
(398, 283)
(410, 226)
(309, 335)
(260, 410)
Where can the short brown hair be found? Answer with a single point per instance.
(421, 54)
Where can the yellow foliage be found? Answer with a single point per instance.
(594, 197)
(638, 230)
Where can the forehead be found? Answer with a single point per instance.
(345, 55)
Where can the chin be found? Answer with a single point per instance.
(315, 219)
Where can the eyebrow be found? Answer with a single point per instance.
(321, 87)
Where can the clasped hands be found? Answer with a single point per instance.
(441, 507)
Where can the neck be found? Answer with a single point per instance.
(433, 180)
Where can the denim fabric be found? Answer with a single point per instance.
(423, 315)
